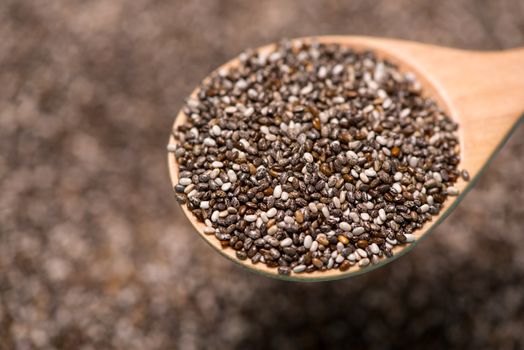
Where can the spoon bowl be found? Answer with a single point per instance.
(482, 91)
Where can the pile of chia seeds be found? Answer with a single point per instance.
(314, 157)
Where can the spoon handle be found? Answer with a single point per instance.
(484, 91)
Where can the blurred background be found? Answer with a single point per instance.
(94, 251)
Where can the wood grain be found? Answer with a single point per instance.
(482, 91)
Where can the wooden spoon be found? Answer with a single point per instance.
(482, 91)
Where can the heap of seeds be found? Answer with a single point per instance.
(314, 157)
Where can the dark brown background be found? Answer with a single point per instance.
(94, 252)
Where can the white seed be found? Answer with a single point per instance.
(171, 148)
(284, 196)
(337, 69)
(250, 218)
(289, 220)
(208, 141)
(322, 72)
(306, 89)
(277, 192)
(248, 112)
(204, 205)
(363, 262)
(232, 175)
(325, 212)
(391, 241)
(413, 161)
(271, 212)
(308, 240)
(314, 246)
(209, 230)
(364, 178)
(330, 263)
(308, 157)
(336, 202)
(185, 181)
(410, 237)
(437, 176)
(342, 197)
(397, 187)
(345, 226)
(213, 174)
(381, 140)
(215, 215)
(339, 259)
(365, 216)
(286, 242)
(424, 208)
(374, 248)
(313, 208)
(226, 186)
(398, 176)
(271, 137)
(354, 217)
(362, 252)
(299, 268)
(382, 214)
(215, 130)
(370, 172)
(217, 164)
(452, 191)
(230, 109)
(434, 139)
